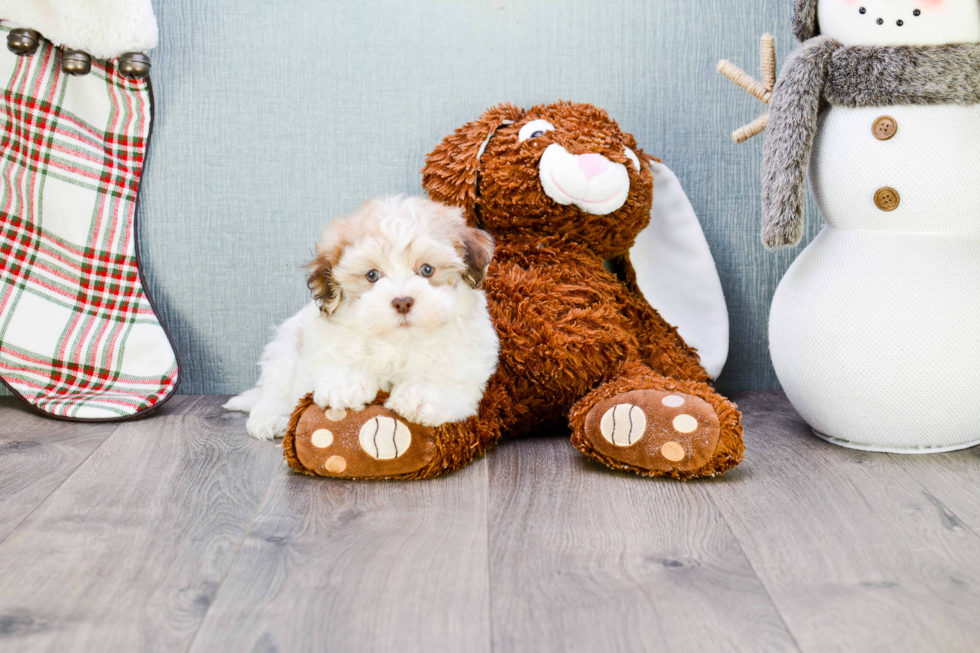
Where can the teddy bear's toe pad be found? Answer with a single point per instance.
(372, 443)
(655, 431)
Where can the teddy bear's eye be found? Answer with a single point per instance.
(917, 12)
(862, 10)
(373, 276)
(534, 129)
(631, 155)
(427, 270)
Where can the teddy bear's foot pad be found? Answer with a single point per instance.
(372, 443)
(654, 432)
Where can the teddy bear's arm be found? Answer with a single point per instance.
(661, 346)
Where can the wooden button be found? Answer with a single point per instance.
(887, 199)
(884, 128)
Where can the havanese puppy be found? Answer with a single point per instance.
(397, 308)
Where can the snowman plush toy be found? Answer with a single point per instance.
(875, 329)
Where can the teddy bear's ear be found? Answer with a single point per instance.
(676, 273)
(450, 171)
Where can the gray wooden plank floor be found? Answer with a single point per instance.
(36, 456)
(179, 533)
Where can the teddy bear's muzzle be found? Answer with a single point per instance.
(590, 181)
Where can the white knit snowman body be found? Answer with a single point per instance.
(875, 328)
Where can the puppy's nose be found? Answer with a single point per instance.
(592, 164)
(403, 304)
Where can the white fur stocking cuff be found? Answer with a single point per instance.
(104, 29)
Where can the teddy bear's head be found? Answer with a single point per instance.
(558, 169)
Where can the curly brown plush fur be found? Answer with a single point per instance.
(572, 333)
(577, 342)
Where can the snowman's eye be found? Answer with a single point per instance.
(863, 10)
(917, 12)
(534, 129)
(900, 23)
(880, 21)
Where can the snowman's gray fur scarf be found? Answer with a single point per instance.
(823, 72)
(805, 19)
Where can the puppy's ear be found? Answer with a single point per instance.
(476, 248)
(450, 171)
(326, 291)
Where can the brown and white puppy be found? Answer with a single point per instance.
(397, 308)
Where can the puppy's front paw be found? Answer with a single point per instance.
(267, 424)
(327, 394)
(351, 392)
(424, 406)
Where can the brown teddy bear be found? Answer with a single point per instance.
(565, 193)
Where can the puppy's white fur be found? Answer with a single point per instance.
(351, 342)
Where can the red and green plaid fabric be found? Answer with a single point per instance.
(78, 336)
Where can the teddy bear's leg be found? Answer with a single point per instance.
(378, 443)
(654, 425)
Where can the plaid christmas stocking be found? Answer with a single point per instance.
(79, 338)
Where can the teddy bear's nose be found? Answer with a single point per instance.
(403, 304)
(592, 164)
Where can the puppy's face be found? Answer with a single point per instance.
(399, 267)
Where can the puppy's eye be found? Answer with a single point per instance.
(373, 276)
(631, 155)
(534, 129)
(427, 270)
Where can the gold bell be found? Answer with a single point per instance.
(76, 62)
(134, 65)
(23, 42)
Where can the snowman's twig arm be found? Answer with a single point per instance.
(760, 90)
(744, 80)
(793, 115)
(754, 128)
(768, 61)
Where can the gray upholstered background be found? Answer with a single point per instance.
(274, 117)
